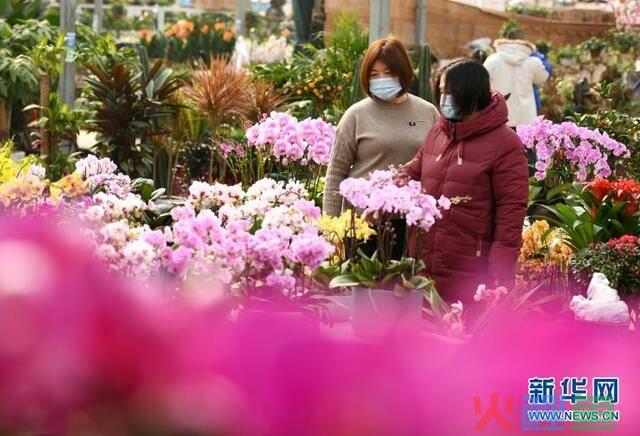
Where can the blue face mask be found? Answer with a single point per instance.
(385, 88)
(448, 108)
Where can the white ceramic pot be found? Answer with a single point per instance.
(376, 312)
(339, 307)
(568, 62)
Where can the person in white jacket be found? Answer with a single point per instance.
(513, 72)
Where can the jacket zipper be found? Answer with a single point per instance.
(446, 171)
(479, 245)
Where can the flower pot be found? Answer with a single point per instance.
(277, 317)
(567, 62)
(339, 307)
(376, 312)
(605, 331)
(595, 54)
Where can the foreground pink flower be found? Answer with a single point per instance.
(491, 296)
(454, 320)
(83, 352)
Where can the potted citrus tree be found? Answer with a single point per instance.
(387, 292)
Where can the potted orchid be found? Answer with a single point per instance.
(290, 149)
(385, 290)
(342, 232)
(567, 153)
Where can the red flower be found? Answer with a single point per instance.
(600, 188)
(631, 208)
(627, 244)
(627, 190)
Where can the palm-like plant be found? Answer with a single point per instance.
(267, 99)
(159, 86)
(131, 109)
(224, 94)
(119, 118)
(221, 91)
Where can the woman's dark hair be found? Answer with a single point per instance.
(478, 55)
(515, 33)
(468, 84)
(543, 47)
(435, 86)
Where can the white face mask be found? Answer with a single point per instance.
(385, 88)
(448, 108)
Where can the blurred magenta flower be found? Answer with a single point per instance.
(84, 352)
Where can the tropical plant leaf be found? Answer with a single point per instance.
(344, 281)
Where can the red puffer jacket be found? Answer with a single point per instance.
(477, 241)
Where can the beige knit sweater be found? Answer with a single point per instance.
(372, 135)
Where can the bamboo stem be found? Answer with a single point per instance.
(46, 148)
(5, 120)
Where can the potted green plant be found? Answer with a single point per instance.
(132, 106)
(384, 294)
(387, 292)
(58, 121)
(625, 41)
(618, 259)
(18, 73)
(597, 212)
(567, 56)
(340, 232)
(619, 125)
(595, 46)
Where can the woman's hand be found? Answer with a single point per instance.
(371, 217)
(401, 179)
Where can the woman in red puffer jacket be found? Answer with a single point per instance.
(472, 153)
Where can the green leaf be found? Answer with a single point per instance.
(363, 277)
(523, 299)
(420, 282)
(388, 277)
(150, 88)
(345, 267)
(157, 194)
(344, 281)
(407, 283)
(617, 225)
(534, 192)
(437, 304)
(31, 107)
(567, 212)
(557, 190)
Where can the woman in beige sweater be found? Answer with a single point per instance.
(387, 128)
